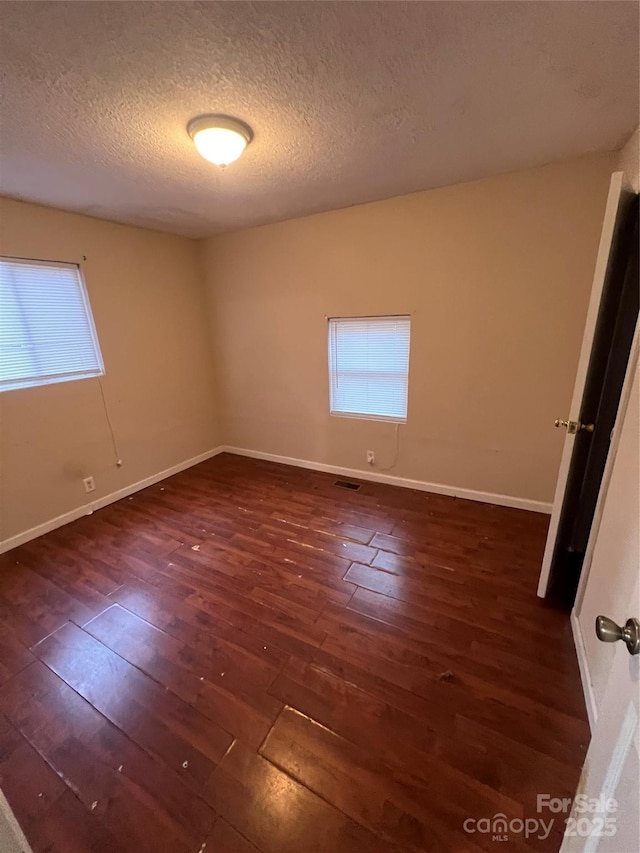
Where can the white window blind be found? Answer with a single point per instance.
(369, 366)
(46, 328)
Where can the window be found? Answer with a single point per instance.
(369, 367)
(46, 328)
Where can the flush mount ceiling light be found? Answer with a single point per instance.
(220, 139)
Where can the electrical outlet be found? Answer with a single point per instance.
(371, 457)
(89, 484)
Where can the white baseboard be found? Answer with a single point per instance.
(374, 476)
(587, 688)
(87, 509)
(392, 480)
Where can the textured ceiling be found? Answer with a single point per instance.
(349, 102)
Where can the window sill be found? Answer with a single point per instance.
(361, 417)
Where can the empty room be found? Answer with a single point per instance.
(319, 427)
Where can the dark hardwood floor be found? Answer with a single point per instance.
(250, 658)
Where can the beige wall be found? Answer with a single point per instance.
(148, 303)
(496, 275)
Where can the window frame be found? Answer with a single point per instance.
(363, 415)
(54, 379)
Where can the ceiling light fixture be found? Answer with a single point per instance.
(220, 139)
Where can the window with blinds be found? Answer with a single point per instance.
(369, 367)
(46, 329)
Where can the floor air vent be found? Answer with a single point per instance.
(345, 484)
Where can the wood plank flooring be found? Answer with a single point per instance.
(246, 658)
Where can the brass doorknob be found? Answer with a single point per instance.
(573, 427)
(609, 631)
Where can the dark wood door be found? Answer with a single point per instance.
(614, 332)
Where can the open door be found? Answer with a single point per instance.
(606, 817)
(609, 327)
